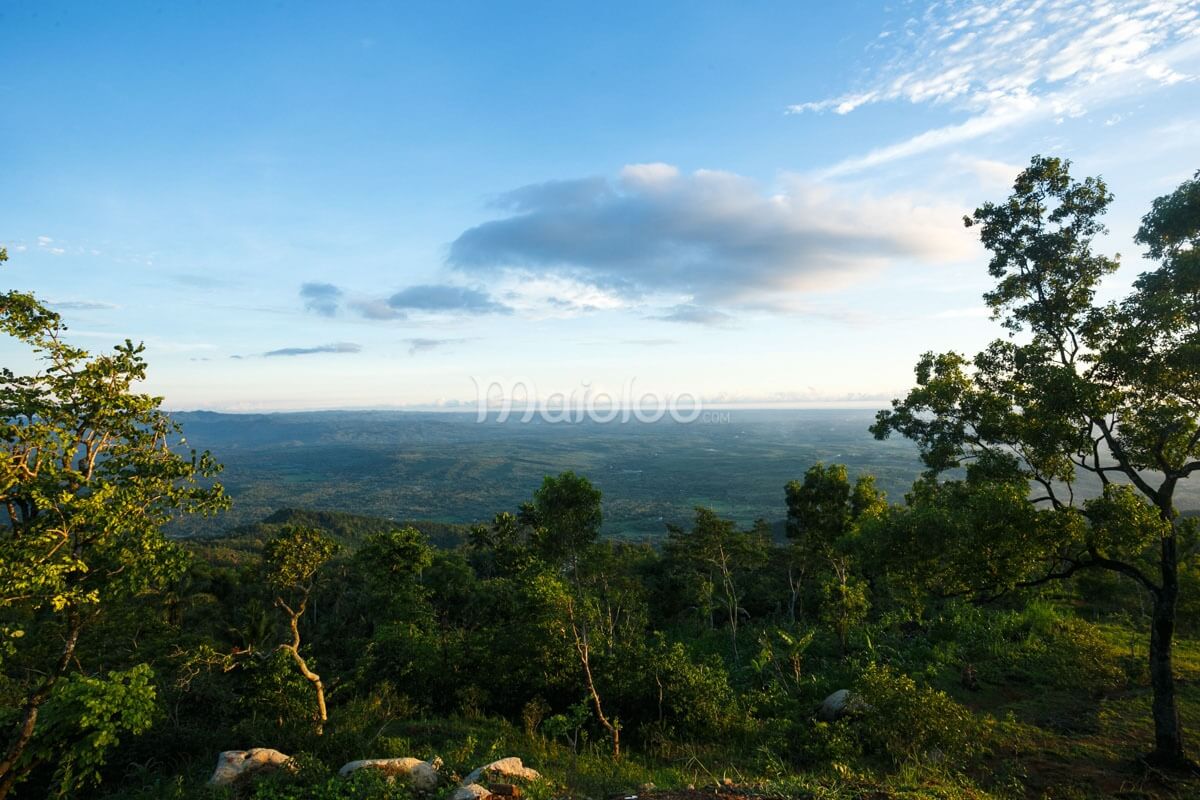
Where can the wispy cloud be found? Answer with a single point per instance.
(82, 305)
(1009, 63)
(696, 315)
(707, 238)
(197, 281)
(441, 297)
(47, 244)
(430, 299)
(336, 347)
(420, 345)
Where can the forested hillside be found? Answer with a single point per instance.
(711, 656)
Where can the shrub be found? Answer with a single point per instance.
(902, 721)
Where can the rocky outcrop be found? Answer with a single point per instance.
(471, 791)
(234, 765)
(421, 775)
(509, 769)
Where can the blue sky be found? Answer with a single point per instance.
(379, 205)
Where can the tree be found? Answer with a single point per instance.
(822, 510)
(565, 515)
(1078, 389)
(721, 554)
(91, 472)
(392, 563)
(292, 560)
(844, 604)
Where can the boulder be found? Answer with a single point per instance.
(233, 765)
(421, 775)
(471, 791)
(836, 706)
(510, 769)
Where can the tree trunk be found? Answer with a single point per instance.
(583, 648)
(315, 680)
(294, 650)
(795, 583)
(23, 732)
(1168, 733)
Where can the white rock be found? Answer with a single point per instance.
(472, 791)
(834, 706)
(840, 704)
(233, 764)
(421, 775)
(509, 768)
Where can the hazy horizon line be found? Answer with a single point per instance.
(422, 408)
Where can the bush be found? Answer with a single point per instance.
(903, 721)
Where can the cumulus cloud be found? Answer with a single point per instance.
(708, 238)
(321, 298)
(1010, 63)
(336, 347)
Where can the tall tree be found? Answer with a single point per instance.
(91, 472)
(565, 515)
(292, 560)
(823, 509)
(720, 555)
(392, 563)
(1079, 389)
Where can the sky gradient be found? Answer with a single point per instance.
(380, 205)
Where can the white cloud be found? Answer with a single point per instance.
(656, 174)
(709, 238)
(552, 296)
(989, 172)
(1013, 62)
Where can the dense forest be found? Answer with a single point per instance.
(988, 634)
